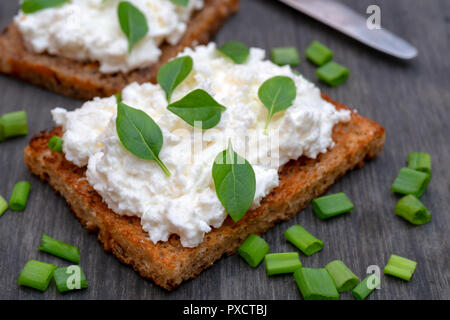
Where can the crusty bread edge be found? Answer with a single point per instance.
(171, 268)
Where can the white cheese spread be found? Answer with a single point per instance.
(185, 203)
(89, 30)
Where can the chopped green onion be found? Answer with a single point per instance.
(36, 274)
(315, 284)
(3, 205)
(253, 250)
(285, 56)
(286, 262)
(13, 124)
(333, 73)
(412, 209)
(332, 205)
(19, 196)
(303, 240)
(409, 181)
(343, 277)
(55, 143)
(60, 249)
(318, 53)
(400, 267)
(366, 287)
(420, 161)
(70, 278)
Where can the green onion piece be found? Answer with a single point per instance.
(253, 250)
(332, 205)
(286, 262)
(3, 205)
(13, 124)
(70, 278)
(55, 143)
(400, 267)
(412, 209)
(366, 287)
(315, 284)
(285, 56)
(343, 277)
(420, 161)
(409, 181)
(318, 53)
(36, 274)
(332, 73)
(303, 240)
(60, 249)
(19, 196)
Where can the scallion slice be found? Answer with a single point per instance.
(315, 284)
(19, 196)
(70, 278)
(343, 277)
(400, 267)
(332, 73)
(332, 205)
(55, 143)
(253, 250)
(420, 161)
(3, 205)
(303, 240)
(412, 209)
(318, 53)
(366, 287)
(285, 56)
(409, 181)
(36, 274)
(60, 249)
(286, 262)
(13, 124)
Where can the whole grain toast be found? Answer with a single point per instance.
(169, 263)
(82, 80)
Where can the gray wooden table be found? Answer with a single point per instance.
(410, 99)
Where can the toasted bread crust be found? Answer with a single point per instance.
(82, 80)
(169, 263)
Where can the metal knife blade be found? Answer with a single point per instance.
(349, 22)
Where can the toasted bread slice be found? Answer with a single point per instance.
(82, 80)
(169, 263)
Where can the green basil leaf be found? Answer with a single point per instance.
(277, 94)
(173, 73)
(30, 6)
(236, 51)
(235, 183)
(183, 3)
(118, 96)
(133, 23)
(139, 134)
(198, 106)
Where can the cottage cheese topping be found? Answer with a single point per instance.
(89, 30)
(186, 203)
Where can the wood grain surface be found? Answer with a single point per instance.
(410, 99)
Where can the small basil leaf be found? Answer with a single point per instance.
(139, 134)
(235, 183)
(133, 23)
(236, 51)
(183, 3)
(173, 73)
(118, 96)
(31, 6)
(277, 94)
(198, 106)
